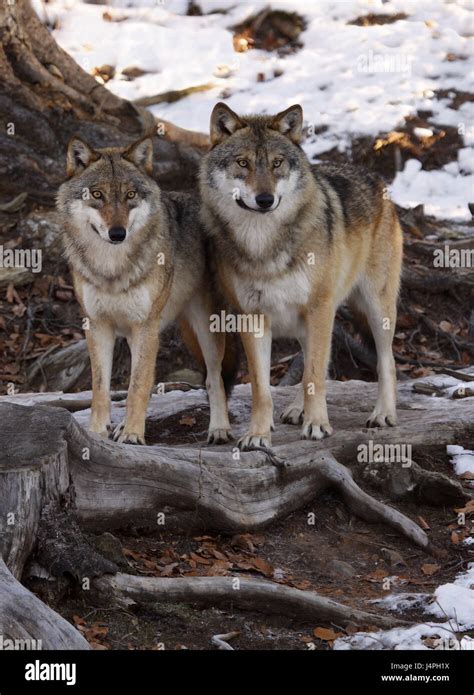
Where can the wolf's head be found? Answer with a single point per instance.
(109, 193)
(255, 163)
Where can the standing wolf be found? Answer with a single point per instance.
(292, 242)
(137, 256)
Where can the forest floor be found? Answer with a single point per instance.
(321, 547)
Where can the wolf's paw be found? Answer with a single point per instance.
(316, 430)
(382, 419)
(249, 441)
(121, 435)
(130, 438)
(292, 415)
(219, 436)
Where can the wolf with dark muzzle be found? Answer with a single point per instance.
(138, 261)
(292, 242)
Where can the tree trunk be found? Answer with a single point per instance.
(46, 98)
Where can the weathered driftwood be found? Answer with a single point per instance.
(59, 370)
(27, 623)
(257, 595)
(117, 485)
(52, 472)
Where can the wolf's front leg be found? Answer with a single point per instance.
(258, 351)
(100, 341)
(144, 343)
(319, 323)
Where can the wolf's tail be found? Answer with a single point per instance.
(359, 320)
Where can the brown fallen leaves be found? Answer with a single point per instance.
(326, 634)
(208, 559)
(95, 634)
(430, 569)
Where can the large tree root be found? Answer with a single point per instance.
(256, 595)
(29, 623)
(57, 473)
(118, 484)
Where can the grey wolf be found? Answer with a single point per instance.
(138, 261)
(292, 242)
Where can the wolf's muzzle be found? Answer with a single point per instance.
(117, 234)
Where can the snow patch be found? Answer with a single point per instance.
(354, 80)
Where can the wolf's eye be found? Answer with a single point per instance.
(131, 195)
(242, 162)
(277, 163)
(97, 195)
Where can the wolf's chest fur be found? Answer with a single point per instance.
(120, 308)
(281, 298)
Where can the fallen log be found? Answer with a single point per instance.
(257, 595)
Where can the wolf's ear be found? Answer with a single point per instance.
(79, 156)
(290, 123)
(141, 154)
(224, 122)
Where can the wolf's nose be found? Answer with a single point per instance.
(117, 234)
(264, 200)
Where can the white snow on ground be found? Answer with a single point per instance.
(456, 601)
(453, 602)
(444, 192)
(355, 80)
(462, 459)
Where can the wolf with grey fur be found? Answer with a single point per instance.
(138, 261)
(292, 242)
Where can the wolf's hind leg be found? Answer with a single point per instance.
(380, 309)
(100, 341)
(212, 348)
(293, 413)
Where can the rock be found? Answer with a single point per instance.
(392, 558)
(340, 568)
(111, 548)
